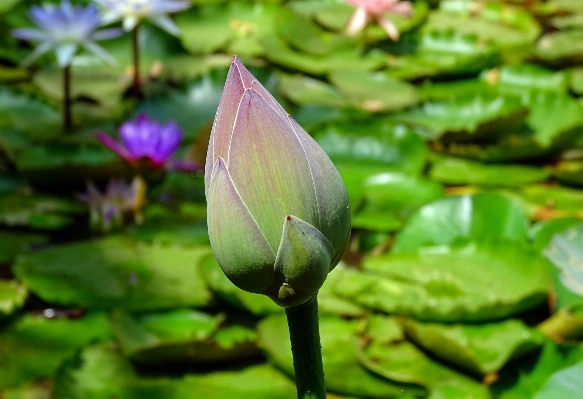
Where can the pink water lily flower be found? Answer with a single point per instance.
(377, 9)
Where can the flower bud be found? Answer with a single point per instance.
(278, 212)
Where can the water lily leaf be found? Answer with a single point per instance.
(14, 243)
(304, 90)
(554, 119)
(541, 233)
(100, 372)
(181, 336)
(390, 356)
(234, 27)
(35, 118)
(518, 79)
(349, 58)
(510, 28)
(12, 297)
(569, 172)
(374, 141)
(37, 211)
(451, 170)
(545, 202)
(480, 348)
(331, 14)
(561, 48)
(577, 81)
(471, 217)
(484, 116)
(449, 284)
(566, 252)
(444, 54)
(563, 384)
(343, 373)
(68, 163)
(523, 380)
(7, 5)
(258, 382)
(116, 272)
(374, 91)
(217, 281)
(33, 346)
(35, 390)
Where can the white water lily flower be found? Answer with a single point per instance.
(64, 29)
(132, 12)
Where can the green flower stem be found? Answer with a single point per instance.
(307, 352)
(137, 87)
(67, 117)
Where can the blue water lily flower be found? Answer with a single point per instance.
(64, 29)
(132, 12)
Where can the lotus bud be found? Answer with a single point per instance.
(278, 212)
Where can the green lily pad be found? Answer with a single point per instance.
(480, 348)
(566, 252)
(510, 28)
(577, 81)
(469, 217)
(444, 55)
(330, 302)
(100, 372)
(23, 112)
(181, 336)
(468, 118)
(374, 92)
(37, 212)
(343, 373)
(461, 171)
(304, 90)
(377, 141)
(35, 390)
(394, 195)
(545, 202)
(116, 272)
(388, 355)
(473, 283)
(563, 384)
(561, 48)
(12, 297)
(541, 233)
(518, 79)
(523, 380)
(569, 172)
(34, 347)
(258, 382)
(14, 243)
(217, 281)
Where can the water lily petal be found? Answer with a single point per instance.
(65, 54)
(164, 22)
(302, 263)
(237, 241)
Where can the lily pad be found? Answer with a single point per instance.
(37, 212)
(15, 243)
(561, 48)
(116, 272)
(518, 79)
(258, 382)
(563, 384)
(100, 372)
(484, 216)
(305, 90)
(461, 171)
(12, 297)
(566, 252)
(473, 283)
(388, 355)
(480, 348)
(569, 172)
(33, 346)
(379, 141)
(466, 118)
(374, 92)
(181, 336)
(343, 373)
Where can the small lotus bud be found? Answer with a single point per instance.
(278, 212)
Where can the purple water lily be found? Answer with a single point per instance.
(64, 29)
(148, 139)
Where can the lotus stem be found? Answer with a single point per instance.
(67, 117)
(137, 87)
(304, 332)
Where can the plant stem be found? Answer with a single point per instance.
(307, 353)
(67, 118)
(137, 87)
